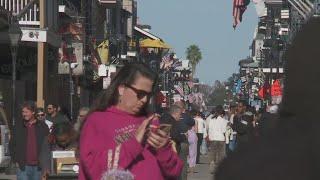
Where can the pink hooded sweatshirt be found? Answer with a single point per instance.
(104, 130)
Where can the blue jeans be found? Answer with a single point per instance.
(29, 173)
(232, 145)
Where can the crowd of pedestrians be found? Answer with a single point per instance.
(37, 134)
(119, 136)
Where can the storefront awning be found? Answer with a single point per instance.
(151, 43)
(146, 33)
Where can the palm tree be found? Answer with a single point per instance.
(194, 56)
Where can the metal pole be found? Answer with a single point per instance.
(71, 91)
(14, 62)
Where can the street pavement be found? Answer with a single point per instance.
(7, 177)
(202, 170)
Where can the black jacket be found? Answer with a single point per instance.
(19, 141)
(177, 130)
(242, 124)
(46, 155)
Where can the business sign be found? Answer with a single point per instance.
(63, 154)
(34, 35)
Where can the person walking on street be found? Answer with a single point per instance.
(184, 125)
(173, 116)
(117, 134)
(233, 135)
(243, 125)
(217, 127)
(27, 143)
(62, 138)
(200, 129)
(83, 112)
(193, 140)
(54, 115)
(41, 116)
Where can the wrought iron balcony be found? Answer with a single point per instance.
(31, 8)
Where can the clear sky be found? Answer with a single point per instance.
(206, 23)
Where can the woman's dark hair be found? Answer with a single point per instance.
(126, 75)
(243, 102)
(194, 112)
(219, 111)
(61, 128)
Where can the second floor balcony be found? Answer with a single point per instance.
(30, 9)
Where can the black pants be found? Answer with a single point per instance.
(200, 139)
(183, 154)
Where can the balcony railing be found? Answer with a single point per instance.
(31, 17)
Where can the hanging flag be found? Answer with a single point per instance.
(179, 89)
(261, 93)
(191, 98)
(239, 7)
(176, 64)
(166, 62)
(260, 8)
(103, 51)
(190, 84)
(238, 87)
(276, 88)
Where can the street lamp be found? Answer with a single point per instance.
(15, 34)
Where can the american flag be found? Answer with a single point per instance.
(239, 6)
(179, 89)
(176, 64)
(190, 84)
(166, 62)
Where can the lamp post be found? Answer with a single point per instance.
(72, 66)
(15, 34)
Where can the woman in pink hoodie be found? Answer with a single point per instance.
(116, 134)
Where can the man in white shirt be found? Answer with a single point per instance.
(217, 127)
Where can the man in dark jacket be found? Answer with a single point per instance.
(186, 121)
(243, 125)
(53, 115)
(173, 117)
(27, 142)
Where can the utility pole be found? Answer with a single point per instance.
(41, 57)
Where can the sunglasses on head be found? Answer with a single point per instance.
(140, 93)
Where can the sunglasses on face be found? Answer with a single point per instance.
(41, 114)
(140, 93)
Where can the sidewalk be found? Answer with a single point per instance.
(202, 170)
(7, 177)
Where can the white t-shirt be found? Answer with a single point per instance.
(201, 125)
(217, 128)
(49, 124)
